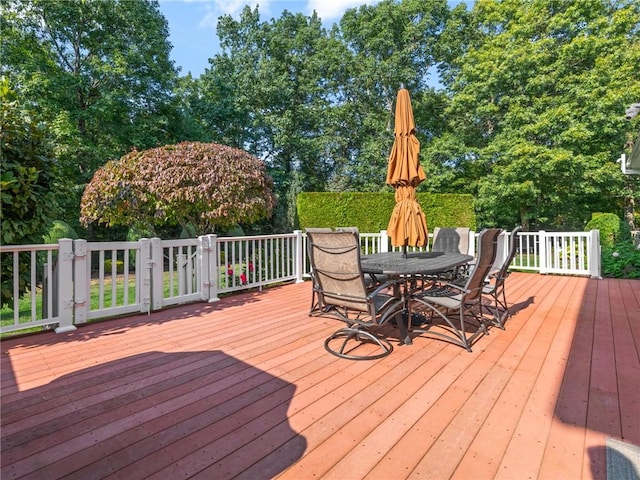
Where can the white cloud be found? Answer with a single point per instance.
(334, 9)
(211, 10)
(234, 7)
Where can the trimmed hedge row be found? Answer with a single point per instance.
(370, 212)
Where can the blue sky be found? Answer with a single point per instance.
(192, 23)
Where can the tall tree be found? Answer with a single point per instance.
(538, 102)
(28, 177)
(271, 79)
(385, 45)
(318, 107)
(99, 73)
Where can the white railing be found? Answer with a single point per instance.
(565, 253)
(76, 281)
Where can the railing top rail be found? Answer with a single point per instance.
(180, 242)
(254, 237)
(114, 245)
(28, 248)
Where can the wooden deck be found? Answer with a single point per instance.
(243, 388)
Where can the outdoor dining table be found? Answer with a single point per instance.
(410, 267)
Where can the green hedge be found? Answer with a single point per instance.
(609, 226)
(370, 212)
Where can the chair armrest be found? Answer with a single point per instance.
(384, 286)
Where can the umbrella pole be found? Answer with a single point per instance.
(404, 251)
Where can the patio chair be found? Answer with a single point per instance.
(341, 292)
(371, 280)
(314, 303)
(451, 240)
(452, 308)
(495, 287)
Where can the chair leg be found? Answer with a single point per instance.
(455, 334)
(501, 309)
(349, 336)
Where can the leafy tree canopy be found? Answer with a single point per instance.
(99, 74)
(28, 173)
(201, 186)
(538, 104)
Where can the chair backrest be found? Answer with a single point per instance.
(513, 247)
(451, 240)
(335, 261)
(487, 249)
(355, 230)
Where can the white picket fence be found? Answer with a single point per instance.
(78, 281)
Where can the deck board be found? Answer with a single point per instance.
(243, 388)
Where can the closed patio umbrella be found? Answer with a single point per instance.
(407, 225)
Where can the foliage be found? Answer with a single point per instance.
(538, 101)
(99, 74)
(621, 261)
(197, 185)
(620, 257)
(59, 230)
(609, 225)
(370, 212)
(28, 177)
(317, 105)
(529, 119)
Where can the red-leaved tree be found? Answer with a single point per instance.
(199, 185)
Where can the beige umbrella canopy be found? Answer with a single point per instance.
(407, 225)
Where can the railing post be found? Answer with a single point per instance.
(156, 266)
(472, 243)
(542, 252)
(203, 264)
(214, 268)
(181, 269)
(299, 260)
(383, 242)
(143, 274)
(81, 281)
(65, 286)
(595, 255)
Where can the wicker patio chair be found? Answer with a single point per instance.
(453, 309)
(340, 289)
(495, 287)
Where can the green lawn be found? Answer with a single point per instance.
(24, 306)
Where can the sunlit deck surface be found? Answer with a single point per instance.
(243, 388)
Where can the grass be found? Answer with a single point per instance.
(25, 303)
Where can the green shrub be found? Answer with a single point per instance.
(620, 258)
(609, 225)
(621, 261)
(370, 212)
(58, 230)
(108, 265)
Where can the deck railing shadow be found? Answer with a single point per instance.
(133, 416)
